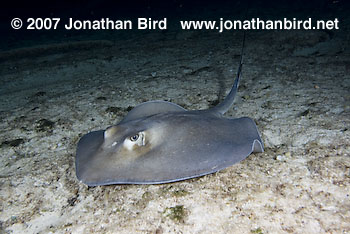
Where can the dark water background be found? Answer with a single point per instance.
(174, 11)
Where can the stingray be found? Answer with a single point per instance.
(161, 142)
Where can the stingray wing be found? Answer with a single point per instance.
(194, 149)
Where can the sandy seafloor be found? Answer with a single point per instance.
(295, 86)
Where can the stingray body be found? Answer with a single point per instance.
(160, 142)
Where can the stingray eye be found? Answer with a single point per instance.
(134, 137)
(138, 139)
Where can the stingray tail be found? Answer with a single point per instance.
(225, 105)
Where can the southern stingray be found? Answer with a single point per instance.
(161, 142)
